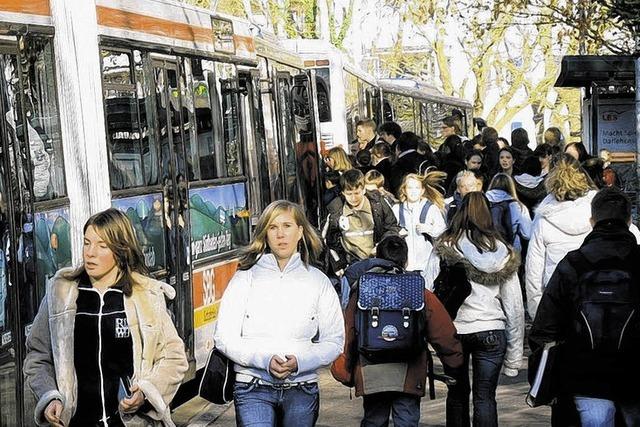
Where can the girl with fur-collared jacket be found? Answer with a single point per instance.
(102, 328)
(490, 321)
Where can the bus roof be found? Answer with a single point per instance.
(412, 89)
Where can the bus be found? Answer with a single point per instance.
(354, 95)
(179, 117)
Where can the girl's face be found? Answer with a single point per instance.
(99, 260)
(414, 190)
(573, 152)
(283, 235)
(330, 163)
(544, 162)
(506, 160)
(474, 163)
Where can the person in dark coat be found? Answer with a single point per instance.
(390, 132)
(602, 382)
(451, 156)
(520, 146)
(489, 142)
(381, 156)
(408, 159)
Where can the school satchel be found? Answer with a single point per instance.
(218, 378)
(390, 320)
(451, 286)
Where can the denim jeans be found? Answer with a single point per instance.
(487, 350)
(596, 412)
(377, 408)
(262, 405)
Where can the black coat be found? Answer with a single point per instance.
(409, 163)
(589, 373)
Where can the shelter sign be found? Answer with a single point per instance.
(617, 125)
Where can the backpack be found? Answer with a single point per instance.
(402, 222)
(390, 317)
(451, 286)
(501, 214)
(607, 301)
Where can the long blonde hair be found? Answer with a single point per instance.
(340, 159)
(567, 180)
(430, 182)
(310, 244)
(118, 234)
(503, 181)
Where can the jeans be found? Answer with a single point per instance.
(596, 412)
(262, 405)
(487, 350)
(378, 407)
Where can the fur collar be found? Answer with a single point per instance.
(452, 256)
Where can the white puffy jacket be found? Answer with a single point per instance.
(559, 227)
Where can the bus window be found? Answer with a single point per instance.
(43, 121)
(204, 155)
(403, 106)
(387, 111)
(323, 85)
(226, 74)
(132, 155)
(351, 104)
(146, 113)
(188, 119)
(435, 113)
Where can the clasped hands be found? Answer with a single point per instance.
(281, 369)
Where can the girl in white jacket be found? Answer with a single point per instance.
(279, 321)
(421, 215)
(490, 321)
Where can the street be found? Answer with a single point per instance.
(337, 409)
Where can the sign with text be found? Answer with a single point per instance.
(209, 283)
(617, 125)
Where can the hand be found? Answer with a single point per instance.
(291, 363)
(277, 368)
(422, 228)
(403, 232)
(339, 273)
(132, 404)
(52, 413)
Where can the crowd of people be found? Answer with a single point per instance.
(543, 233)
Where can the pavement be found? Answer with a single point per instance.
(339, 407)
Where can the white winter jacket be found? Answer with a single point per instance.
(495, 301)
(559, 227)
(419, 247)
(266, 312)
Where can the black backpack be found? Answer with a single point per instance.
(451, 286)
(501, 214)
(607, 301)
(390, 319)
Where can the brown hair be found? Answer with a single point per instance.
(374, 177)
(116, 230)
(311, 245)
(473, 219)
(352, 180)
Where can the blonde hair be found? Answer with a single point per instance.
(430, 182)
(311, 245)
(374, 177)
(115, 229)
(567, 180)
(504, 182)
(340, 159)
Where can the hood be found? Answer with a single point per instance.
(570, 216)
(269, 262)
(488, 268)
(529, 181)
(496, 196)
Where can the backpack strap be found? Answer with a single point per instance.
(401, 221)
(425, 211)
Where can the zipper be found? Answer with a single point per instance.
(586, 322)
(104, 410)
(625, 327)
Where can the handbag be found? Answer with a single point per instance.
(452, 287)
(218, 379)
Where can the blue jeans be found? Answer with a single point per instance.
(261, 405)
(596, 412)
(487, 350)
(378, 407)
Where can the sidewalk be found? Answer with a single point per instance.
(337, 409)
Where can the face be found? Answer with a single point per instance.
(354, 197)
(330, 163)
(468, 185)
(414, 190)
(573, 152)
(370, 187)
(98, 259)
(448, 131)
(283, 235)
(387, 138)
(364, 134)
(474, 163)
(544, 162)
(506, 160)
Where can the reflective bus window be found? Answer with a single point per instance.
(323, 84)
(43, 121)
(226, 79)
(133, 157)
(436, 112)
(286, 128)
(204, 152)
(272, 149)
(403, 107)
(188, 119)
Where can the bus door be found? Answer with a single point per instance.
(287, 138)
(173, 131)
(306, 146)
